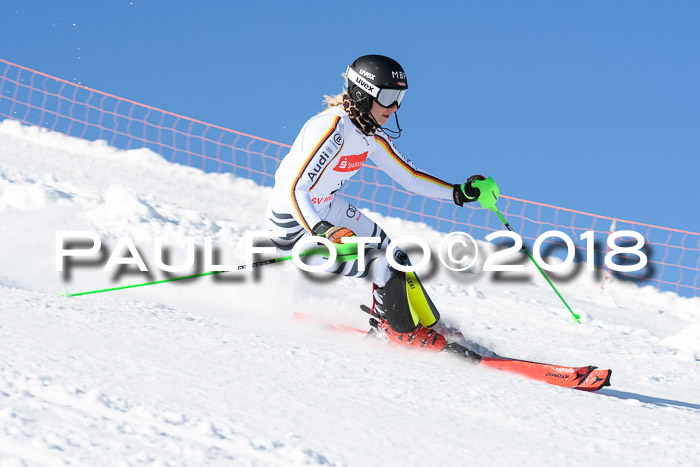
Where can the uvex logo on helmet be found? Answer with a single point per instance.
(367, 74)
(364, 84)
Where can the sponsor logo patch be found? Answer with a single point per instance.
(351, 163)
(327, 199)
(327, 154)
(352, 212)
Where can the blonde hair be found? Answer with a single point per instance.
(337, 99)
(333, 101)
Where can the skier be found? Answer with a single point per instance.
(330, 148)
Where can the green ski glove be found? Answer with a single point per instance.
(465, 192)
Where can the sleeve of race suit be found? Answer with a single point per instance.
(402, 170)
(321, 141)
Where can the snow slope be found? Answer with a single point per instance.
(213, 371)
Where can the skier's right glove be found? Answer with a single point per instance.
(331, 232)
(465, 192)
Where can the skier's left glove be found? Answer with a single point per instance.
(331, 232)
(465, 192)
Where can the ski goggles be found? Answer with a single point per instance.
(388, 97)
(384, 96)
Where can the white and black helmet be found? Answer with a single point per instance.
(376, 77)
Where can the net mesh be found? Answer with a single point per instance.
(35, 98)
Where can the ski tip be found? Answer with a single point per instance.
(600, 379)
(66, 293)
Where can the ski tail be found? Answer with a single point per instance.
(598, 379)
(585, 378)
(340, 328)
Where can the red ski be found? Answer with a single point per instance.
(585, 378)
(331, 327)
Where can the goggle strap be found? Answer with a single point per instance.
(358, 80)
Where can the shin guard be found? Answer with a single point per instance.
(405, 304)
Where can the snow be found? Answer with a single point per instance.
(213, 371)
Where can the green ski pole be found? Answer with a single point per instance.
(345, 252)
(488, 195)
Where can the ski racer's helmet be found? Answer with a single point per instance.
(376, 77)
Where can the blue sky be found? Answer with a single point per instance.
(593, 106)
